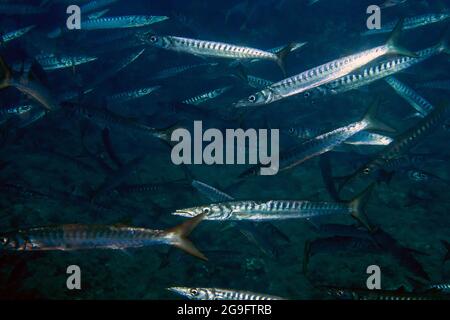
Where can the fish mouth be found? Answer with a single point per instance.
(177, 290)
(184, 213)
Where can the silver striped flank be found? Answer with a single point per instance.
(410, 23)
(266, 210)
(202, 98)
(170, 72)
(220, 294)
(412, 97)
(130, 95)
(54, 62)
(15, 34)
(323, 74)
(371, 74)
(120, 22)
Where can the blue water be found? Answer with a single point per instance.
(51, 168)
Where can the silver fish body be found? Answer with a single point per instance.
(130, 95)
(320, 75)
(271, 210)
(220, 294)
(15, 34)
(212, 193)
(120, 22)
(204, 97)
(54, 62)
(371, 74)
(180, 69)
(410, 23)
(440, 85)
(412, 97)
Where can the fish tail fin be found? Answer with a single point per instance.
(373, 123)
(447, 246)
(358, 205)
(179, 236)
(393, 45)
(281, 57)
(5, 74)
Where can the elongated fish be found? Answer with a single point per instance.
(98, 14)
(274, 210)
(324, 142)
(402, 143)
(412, 97)
(120, 22)
(83, 237)
(212, 193)
(390, 295)
(220, 294)
(325, 73)
(410, 23)
(9, 36)
(107, 119)
(202, 98)
(54, 62)
(376, 72)
(27, 85)
(440, 85)
(362, 138)
(16, 110)
(257, 82)
(215, 49)
(167, 73)
(130, 95)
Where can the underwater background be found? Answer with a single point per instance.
(52, 163)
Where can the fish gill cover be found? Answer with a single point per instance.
(239, 150)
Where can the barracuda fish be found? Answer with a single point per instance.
(83, 237)
(120, 22)
(274, 210)
(440, 85)
(55, 62)
(360, 138)
(35, 114)
(371, 74)
(214, 49)
(130, 95)
(421, 176)
(325, 73)
(410, 23)
(95, 5)
(413, 98)
(202, 98)
(443, 287)
(107, 119)
(404, 142)
(220, 294)
(15, 34)
(21, 9)
(27, 85)
(324, 143)
(167, 73)
(390, 295)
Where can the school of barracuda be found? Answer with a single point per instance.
(86, 119)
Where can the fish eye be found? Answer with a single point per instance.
(194, 292)
(307, 95)
(153, 38)
(3, 240)
(291, 130)
(366, 170)
(206, 210)
(252, 98)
